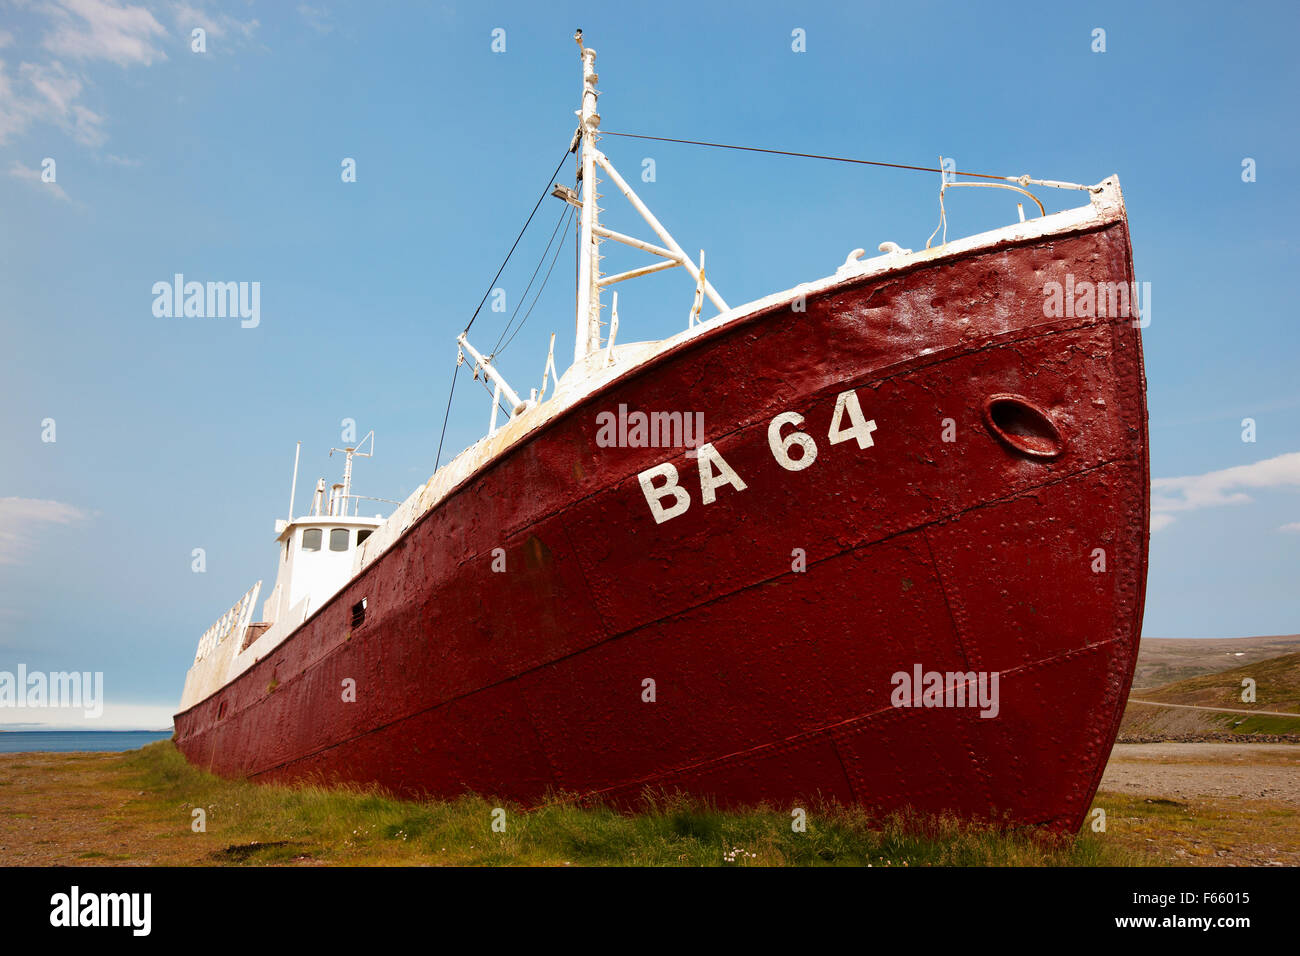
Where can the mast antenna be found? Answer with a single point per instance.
(348, 452)
(587, 338)
(293, 487)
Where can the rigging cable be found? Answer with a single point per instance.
(559, 220)
(1023, 180)
(452, 391)
(542, 288)
(545, 192)
(446, 416)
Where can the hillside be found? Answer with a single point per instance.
(1163, 660)
(1277, 692)
(1277, 687)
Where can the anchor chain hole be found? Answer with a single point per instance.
(1023, 426)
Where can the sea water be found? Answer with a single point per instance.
(64, 741)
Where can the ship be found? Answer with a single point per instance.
(877, 540)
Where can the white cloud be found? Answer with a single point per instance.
(58, 89)
(1228, 486)
(1159, 521)
(90, 31)
(1293, 526)
(33, 176)
(217, 26)
(47, 92)
(116, 716)
(55, 84)
(1225, 487)
(20, 516)
(103, 30)
(16, 111)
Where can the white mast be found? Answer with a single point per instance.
(294, 486)
(344, 488)
(587, 338)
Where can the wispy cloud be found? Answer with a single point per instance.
(59, 89)
(116, 716)
(33, 176)
(217, 25)
(1159, 521)
(19, 517)
(104, 30)
(317, 18)
(84, 33)
(47, 93)
(1229, 486)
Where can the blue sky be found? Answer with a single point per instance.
(175, 434)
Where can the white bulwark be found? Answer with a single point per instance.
(318, 555)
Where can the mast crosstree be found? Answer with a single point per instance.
(587, 338)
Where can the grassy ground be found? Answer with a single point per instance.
(1204, 832)
(1150, 719)
(138, 808)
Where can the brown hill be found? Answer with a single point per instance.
(1277, 693)
(1164, 660)
(1277, 687)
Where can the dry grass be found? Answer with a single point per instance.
(1203, 832)
(1277, 686)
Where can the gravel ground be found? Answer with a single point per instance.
(1184, 771)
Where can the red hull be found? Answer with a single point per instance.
(770, 683)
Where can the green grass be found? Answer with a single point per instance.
(1258, 724)
(251, 824)
(1148, 719)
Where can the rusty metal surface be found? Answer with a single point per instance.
(771, 683)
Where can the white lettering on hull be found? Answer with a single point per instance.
(663, 482)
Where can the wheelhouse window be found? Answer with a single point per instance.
(339, 539)
(311, 539)
(363, 534)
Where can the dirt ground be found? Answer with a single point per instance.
(1205, 804)
(1188, 771)
(59, 809)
